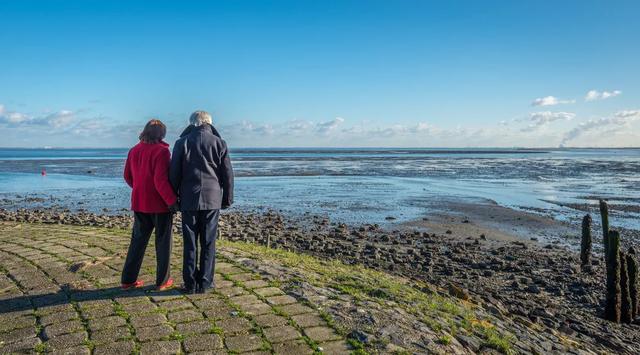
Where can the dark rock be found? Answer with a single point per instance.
(458, 292)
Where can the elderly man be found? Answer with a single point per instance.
(202, 176)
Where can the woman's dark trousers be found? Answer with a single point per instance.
(199, 227)
(143, 225)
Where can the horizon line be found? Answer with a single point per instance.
(355, 147)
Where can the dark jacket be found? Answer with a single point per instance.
(146, 171)
(201, 171)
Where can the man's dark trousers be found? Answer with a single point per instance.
(143, 225)
(199, 227)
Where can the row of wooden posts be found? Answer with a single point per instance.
(622, 295)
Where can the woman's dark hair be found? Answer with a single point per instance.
(154, 131)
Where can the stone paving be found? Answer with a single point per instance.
(59, 293)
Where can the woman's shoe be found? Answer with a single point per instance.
(165, 285)
(136, 284)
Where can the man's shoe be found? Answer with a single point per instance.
(201, 289)
(136, 284)
(165, 285)
(188, 291)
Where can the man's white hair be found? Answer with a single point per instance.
(199, 118)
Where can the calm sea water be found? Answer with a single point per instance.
(353, 185)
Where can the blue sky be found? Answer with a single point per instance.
(323, 73)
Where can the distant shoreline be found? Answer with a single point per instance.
(482, 149)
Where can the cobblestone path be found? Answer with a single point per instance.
(59, 293)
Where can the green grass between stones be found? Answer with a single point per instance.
(442, 313)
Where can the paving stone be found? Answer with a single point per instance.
(54, 309)
(242, 277)
(209, 303)
(219, 313)
(224, 284)
(256, 309)
(185, 316)
(295, 309)
(67, 327)
(201, 296)
(132, 296)
(76, 350)
(242, 343)
(160, 347)
(203, 342)
(269, 291)
(320, 334)
(107, 322)
(16, 323)
(17, 335)
(147, 320)
(223, 266)
(50, 300)
(22, 346)
(117, 348)
(66, 341)
(281, 300)
(281, 334)
(140, 307)
(97, 312)
(166, 296)
(308, 320)
(201, 326)
(293, 348)
(176, 305)
(213, 352)
(58, 317)
(270, 320)
(154, 333)
(234, 325)
(244, 299)
(252, 284)
(231, 291)
(231, 270)
(87, 304)
(110, 335)
(336, 347)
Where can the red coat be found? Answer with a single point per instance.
(146, 171)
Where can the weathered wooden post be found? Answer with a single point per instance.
(632, 270)
(604, 214)
(613, 299)
(625, 301)
(585, 246)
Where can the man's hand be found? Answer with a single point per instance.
(175, 207)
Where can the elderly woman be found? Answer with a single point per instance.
(152, 201)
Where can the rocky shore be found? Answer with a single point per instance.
(539, 291)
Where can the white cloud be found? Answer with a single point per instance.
(77, 128)
(329, 126)
(540, 119)
(365, 131)
(57, 120)
(550, 101)
(627, 113)
(594, 95)
(620, 120)
(11, 118)
(299, 126)
(252, 128)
